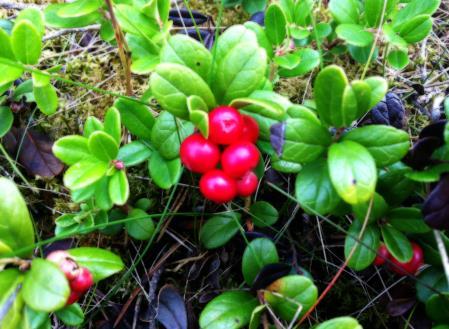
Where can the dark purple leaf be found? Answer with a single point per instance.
(270, 273)
(184, 18)
(400, 306)
(420, 154)
(436, 206)
(204, 36)
(258, 18)
(277, 134)
(58, 245)
(255, 235)
(171, 310)
(390, 111)
(434, 130)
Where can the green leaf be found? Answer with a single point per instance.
(165, 173)
(134, 153)
(284, 166)
(9, 73)
(6, 120)
(26, 42)
(103, 146)
(45, 287)
(230, 310)
(112, 124)
(261, 36)
(379, 88)
(387, 145)
(263, 214)
(201, 120)
(71, 315)
(181, 49)
(345, 11)
(34, 16)
(415, 8)
(275, 24)
(408, 220)
(365, 252)
(80, 8)
(135, 22)
(437, 307)
(430, 175)
(302, 12)
(136, 117)
(397, 243)
(92, 125)
(362, 54)
(378, 209)
(32, 319)
(354, 34)
(355, 103)
(254, 6)
(219, 229)
(352, 171)
(101, 191)
(265, 103)
(119, 188)
(11, 301)
(168, 133)
(46, 98)
(100, 262)
(330, 85)
(290, 295)
(254, 323)
(393, 184)
(340, 323)
(374, 10)
(416, 29)
(430, 280)
(141, 228)
(71, 149)
(304, 140)
(144, 53)
(258, 253)
(298, 32)
(84, 173)
(314, 189)
(171, 84)
(16, 227)
(288, 61)
(53, 19)
(6, 49)
(308, 60)
(398, 59)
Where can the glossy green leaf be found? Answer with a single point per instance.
(355, 102)
(134, 153)
(201, 120)
(16, 227)
(254, 6)
(261, 102)
(284, 166)
(397, 243)
(416, 29)
(230, 310)
(263, 214)
(71, 315)
(430, 280)
(141, 228)
(429, 175)
(6, 120)
(352, 171)
(34, 16)
(181, 49)
(6, 49)
(345, 11)
(100, 262)
(71, 149)
(398, 59)
(408, 220)
(308, 60)
(394, 186)
(119, 188)
(275, 24)
(103, 146)
(258, 253)
(374, 10)
(261, 36)
(302, 12)
(365, 251)
(340, 323)
(101, 191)
(144, 53)
(254, 323)
(80, 8)
(379, 88)
(386, 144)
(26, 42)
(167, 134)
(437, 307)
(46, 98)
(32, 319)
(112, 124)
(84, 173)
(132, 20)
(45, 287)
(136, 117)
(363, 54)
(378, 209)
(171, 84)
(288, 61)
(92, 125)
(53, 19)
(314, 190)
(354, 34)
(298, 32)
(291, 295)
(415, 8)
(165, 173)
(219, 229)
(10, 281)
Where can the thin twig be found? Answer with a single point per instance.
(62, 32)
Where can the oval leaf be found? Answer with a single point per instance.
(259, 253)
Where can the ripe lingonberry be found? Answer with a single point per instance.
(247, 184)
(83, 281)
(73, 298)
(198, 154)
(225, 125)
(250, 129)
(67, 265)
(217, 186)
(239, 158)
(412, 266)
(382, 255)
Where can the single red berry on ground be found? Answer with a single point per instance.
(412, 266)
(198, 154)
(247, 184)
(83, 281)
(250, 131)
(239, 158)
(217, 186)
(382, 255)
(225, 125)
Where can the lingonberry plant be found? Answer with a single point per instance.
(249, 158)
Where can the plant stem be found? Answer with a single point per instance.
(443, 253)
(122, 48)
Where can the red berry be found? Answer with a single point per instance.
(247, 184)
(225, 125)
(83, 281)
(412, 266)
(382, 255)
(198, 154)
(73, 298)
(250, 129)
(217, 186)
(239, 158)
(65, 263)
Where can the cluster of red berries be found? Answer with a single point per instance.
(231, 143)
(409, 268)
(80, 278)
